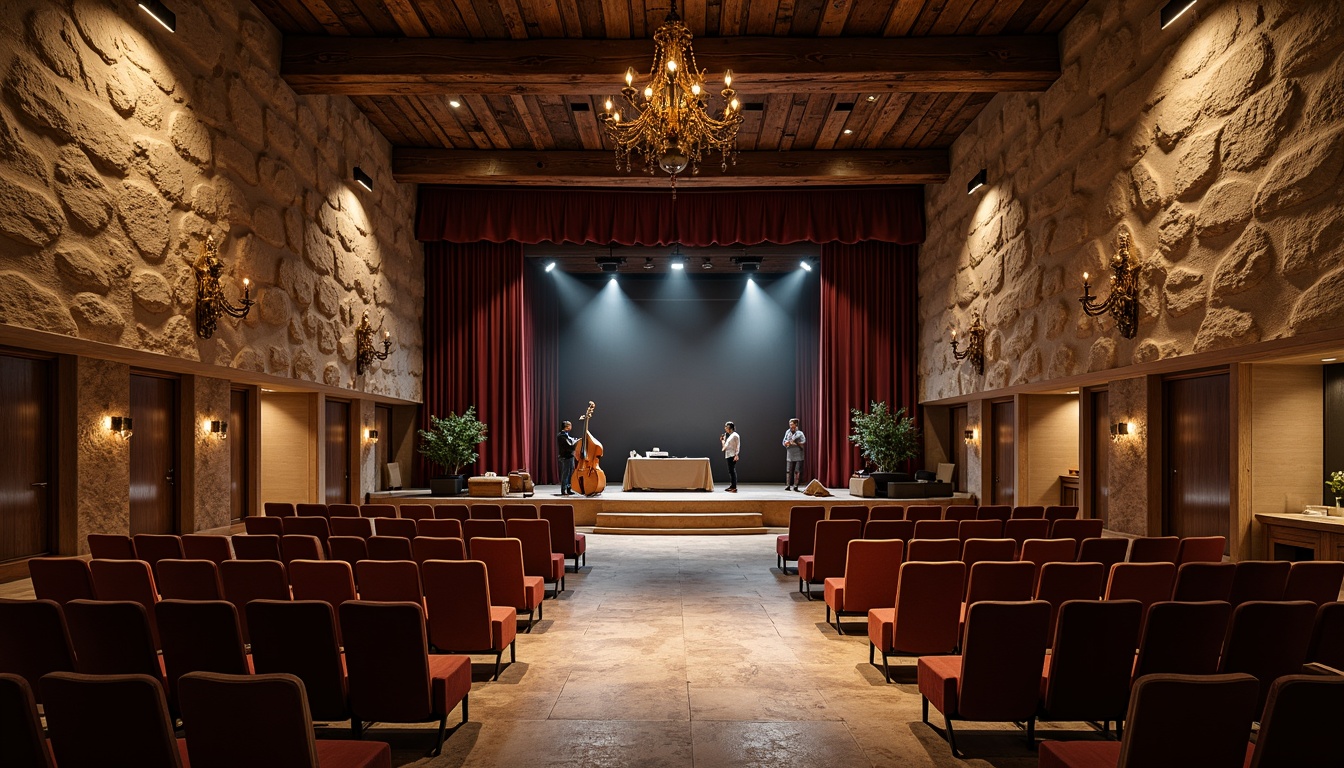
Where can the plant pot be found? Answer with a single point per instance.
(880, 480)
(448, 485)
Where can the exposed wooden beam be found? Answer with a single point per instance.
(598, 169)
(761, 65)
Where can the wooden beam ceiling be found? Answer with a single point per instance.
(761, 65)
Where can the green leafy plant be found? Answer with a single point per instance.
(885, 438)
(1336, 482)
(450, 442)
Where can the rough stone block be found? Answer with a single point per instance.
(1252, 134)
(1185, 291)
(1226, 327)
(26, 304)
(144, 214)
(83, 271)
(96, 318)
(1248, 263)
(1225, 208)
(1196, 167)
(28, 216)
(1301, 174)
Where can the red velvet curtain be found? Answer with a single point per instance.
(869, 317)
(700, 218)
(478, 348)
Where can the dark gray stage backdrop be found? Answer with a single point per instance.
(669, 358)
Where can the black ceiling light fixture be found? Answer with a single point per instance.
(363, 179)
(648, 262)
(748, 263)
(160, 13)
(706, 263)
(979, 180)
(1173, 10)
(609, 263)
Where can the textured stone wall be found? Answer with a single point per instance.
(1217, 144)
(123, 146)
(1127, 401)
(212, 502)
(102, 474)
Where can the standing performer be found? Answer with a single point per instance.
(731, 443)
(564, 446)
(794, 439)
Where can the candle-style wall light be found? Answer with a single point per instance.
(365, 353)
(975, 345)
(210, 299)
(1123, 302)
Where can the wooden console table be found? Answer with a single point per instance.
(1322, 536)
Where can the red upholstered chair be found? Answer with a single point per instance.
(248, 580)
(509, 585)
(301, 547)
(277, 731)
(206, 546)
(278, 509)
(521, 511)
(153, 547)
(959, 512)
(34, 640)
(111, 546)
(1028, 513)
(1021, 530)
(112, 638)
(461, 618)
(801, 536)
(998, 580)
(440, 548)
(189, 580)
(1149, 583)
(458, 512)
(1316, 580)
(979, 529)
(331, 581)
(1300, 728)
(1000, 512)
(317, 527)
(321, 510)
(416, 512)
(538, 559)
(1062, 582)
(564, 539)
(1173, 721)
(978, 550)
(250, 547)
(997, 676)
(926, 616)
(1202, 549)
(889, 529)
(1054, 513)
(933, 550)
(390, 581)
(395, 526)
(93, 717)
(127, 580)
(1268, 640)
(390, 548)
(264, 526)
(200, 636)
(828, 554)
(1182, 638)
(439, 529)
(350, 549)
(1260, 580)
(301, 638)
(917, 512)
(1107, 550)
(869, 581)
(345, 510)
(936, 529)
(886, 512)
(1042, 551)
(377, 510)
(393, 679)
(1196, 582)
(483, 529)
(61, 579)
(848, 512)
(486, 512)
(1327, 636)
(1154, 549)
(1088, 673)
(1078, 530)
(351, 526)
(22, 743)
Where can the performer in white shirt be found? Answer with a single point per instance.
(731, 443)
(794, 439)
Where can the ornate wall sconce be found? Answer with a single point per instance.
(365, 354)
(121, 426)
(975, 346)
(371, 435)
(1121, 429)
(210, 299)
(215, 428)
(969, 436)
(1123, 302)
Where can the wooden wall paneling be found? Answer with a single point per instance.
(338, 444)
(936, 447)
(66, 540)
(26, 477)
(1199, 471)
(188, 428)
(957, 426)
(1156, 432)
(242, 485)
(1281, 425)
(287, 447)
(405, 421)
(1000, 440)
(1239, 537)
(1047, 446)
(1095, 466)
(382, 421)
(155, 470)
(1332, 405)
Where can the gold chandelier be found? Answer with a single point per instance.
(672, 127)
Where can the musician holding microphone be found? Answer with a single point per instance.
(731, 444)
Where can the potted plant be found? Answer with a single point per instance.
(1336, 484)
(885, 439)
(450, 443)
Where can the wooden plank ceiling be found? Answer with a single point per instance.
(508, 91)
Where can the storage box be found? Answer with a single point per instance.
(862, 486)
(488, 486)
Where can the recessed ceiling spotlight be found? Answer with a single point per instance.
(454, 103)
(872, 98)
(847, 131)
(1329, 359)
(1173, 10)
(1071, 392)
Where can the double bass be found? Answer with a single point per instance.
(588, 476)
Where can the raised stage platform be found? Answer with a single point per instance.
(755, 508)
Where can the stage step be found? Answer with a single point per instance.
(680, 523)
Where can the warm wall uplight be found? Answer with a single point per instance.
(216, 428)
(120, 426)
(363, 179)
(160, 13)
(1122, 429)
(969, 436)
(371, 435)
(1173, 10)
(979, 180)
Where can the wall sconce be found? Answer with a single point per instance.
(371, 435)
(975, 345)
(1123, 302)
(1121, 429)
(969, 436)
(365, 354)
(160, 13)
(120, 426)
(216, 428)
(210, 300)
(363, 179)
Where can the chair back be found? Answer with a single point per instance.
(153, 547)
(1042, 551)
(307, 526)
(1154, 549)
(832, 546)
(1327, 637)
(1092, 660)
(22, 742)
(1028, 513)
(979, 529)
(426, 548)
(959, 512)
(1185, 720)
(342, 510)
(61, 579)
(127, 580)
(377, 510)
(92, 717)
(457, 594)
(349, 549)
(1062, 582)
(207, 546)
(503, 558)
(250, 547)
(483, 529)
(112, 638)
(848, 512)
(886, 512)
(248, 580)
(1001, 660)
(351, 526)
(441, 529)
(872, 569)
(1149, 583)
(561, 518)
(935, 529)
(535, 536)
(199, 636)
(189, 580)
(928, 607)
(296, 547)
(278, 509)
(521, 512)
(1200, 581)
(803, 529)
(389, 581)
(331, 581)
(111, 546)
(1053, 513)
(279, 727)
(395, 526)
(1078, 530)
(1107, 551)
(1182, 638)
(1300, 727)
(416, 512)
(458, 512)
(917, 512)
(1260, 580)
(34, 639)
(1202, 549)
(387, 658)
(1000, 512)
(264, 526)
(486, 512)
(1316, 580)
(1000, 581)
(315, 510)
(300, 638)
(977, 550)
(390, 548)
(1021, 530)
(889, 529)
(1268, 640)
(933, 550)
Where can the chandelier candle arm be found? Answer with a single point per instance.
(975, 346)
(210, 299)
(1123, 301)
(365, 353)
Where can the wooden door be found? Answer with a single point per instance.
(1197, 456)
(957, 435)
(240, 434)
(1003, 488)
(26, 485)
(153, 454)
(382, 421)
(1099, 469)
(338, 452)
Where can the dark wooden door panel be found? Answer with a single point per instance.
(1100, 470)
(338, 452)
(1197, 451)
(25, 476)
(382, 421)
(240, 411)
(153, 454)
(957, 434)
(1005, 453)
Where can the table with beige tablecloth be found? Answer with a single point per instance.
(668, 474)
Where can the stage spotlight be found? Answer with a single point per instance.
(748, 263)
(550, 267)
(806, 267)
(609, 263)
(678, 262)
(707, 263)
(648, 263)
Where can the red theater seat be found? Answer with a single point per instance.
(301, 638)
(509, 585)
(1154, 549)
(869, 581)
(1182, 638)
(204, 546)
(90, 718)
(189, 580)
(925, 617)
(801, 537)
(1201, 549)
(34, 639)
(426, 548)
(1315, 580)
(538, 559)
(1300, 728)
(23, 743)
(61, 579)
(461, 616)
(564, 539)
(1087, 675)
(829, 551)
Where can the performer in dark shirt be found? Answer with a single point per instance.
(564, 446)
